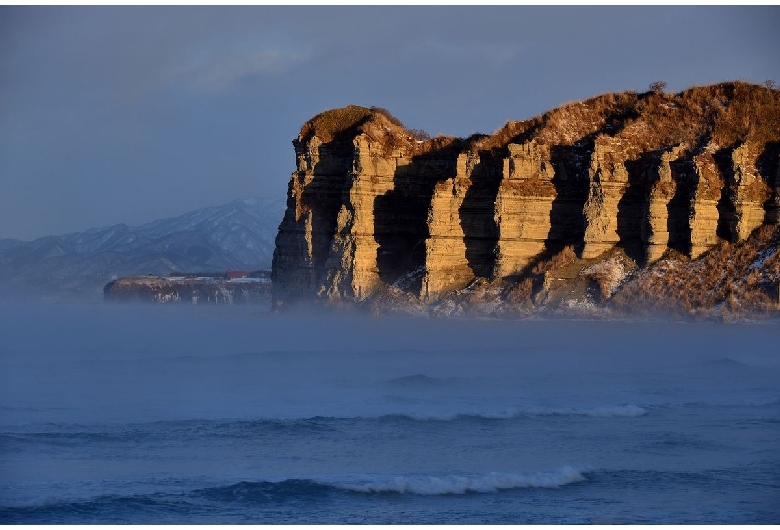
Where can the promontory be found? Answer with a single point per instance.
(626, 202)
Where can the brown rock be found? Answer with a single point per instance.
(523, 207)
(376, 215)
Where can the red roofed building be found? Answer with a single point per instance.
(236, 274)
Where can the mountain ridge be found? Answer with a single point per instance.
(237, 235)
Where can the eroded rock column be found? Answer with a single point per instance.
(749, 193)
(704, 204)
(656, 233)
(608, 183)
(446, 265)
(523, 207)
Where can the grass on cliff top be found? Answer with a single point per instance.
(378, 124)
(348, 121)
(725, 114)
(334, 123)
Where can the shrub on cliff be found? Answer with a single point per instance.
(657, 86)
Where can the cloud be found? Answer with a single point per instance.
(222, 71)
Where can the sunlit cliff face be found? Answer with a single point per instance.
(378, 211)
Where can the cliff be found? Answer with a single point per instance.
(380, 215)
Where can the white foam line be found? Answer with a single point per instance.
(460, 484)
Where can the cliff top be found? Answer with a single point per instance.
(346, 122)
(335, 123)
(724, 114)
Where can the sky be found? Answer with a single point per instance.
(130, 114)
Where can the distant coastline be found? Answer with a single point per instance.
(196, 288)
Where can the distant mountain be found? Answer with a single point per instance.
(239, 235)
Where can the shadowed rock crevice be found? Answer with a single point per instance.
(768, 166)
(567, 222)
(679, 207)
(323, 199)
(632, 215)
(727, 213)
(768, 163)
(477, 214)
(401, 214)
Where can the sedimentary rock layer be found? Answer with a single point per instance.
(373, 205)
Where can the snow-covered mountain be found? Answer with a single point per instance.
(239, 235)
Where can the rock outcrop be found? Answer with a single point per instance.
(375, 208)
(524, 205)
(187, 290)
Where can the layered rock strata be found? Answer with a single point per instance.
(523, 208)
(663, 220)
(373, 206)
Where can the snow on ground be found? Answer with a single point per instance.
(761, 258)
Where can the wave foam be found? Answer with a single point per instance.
(460, 484)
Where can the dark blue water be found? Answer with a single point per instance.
(121, 414)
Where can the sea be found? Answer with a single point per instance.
(154, 414)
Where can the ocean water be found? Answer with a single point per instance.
(153, 414)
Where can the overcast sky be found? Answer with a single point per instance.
(130, 114)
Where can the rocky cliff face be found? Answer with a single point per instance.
(374, 208)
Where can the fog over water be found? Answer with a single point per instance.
(143, 413)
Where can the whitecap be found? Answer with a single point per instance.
(461, 484)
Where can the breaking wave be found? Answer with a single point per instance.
(460, 484)
(163, 506)
(398, 484)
